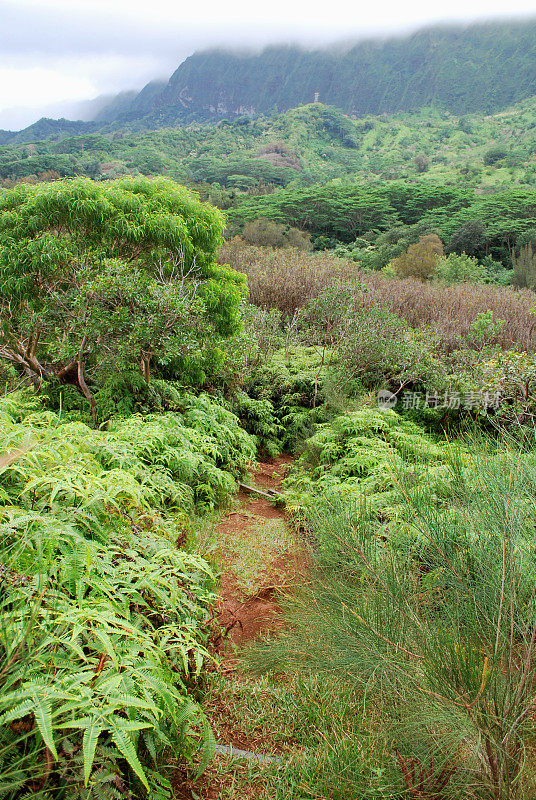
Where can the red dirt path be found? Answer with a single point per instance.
(244, 619)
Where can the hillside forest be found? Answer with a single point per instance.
(275, 371)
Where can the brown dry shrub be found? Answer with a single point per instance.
(285, 278)
(264, 232)
(451, 310)
(288, 279)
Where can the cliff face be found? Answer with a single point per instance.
(482, 68)
(476, 69)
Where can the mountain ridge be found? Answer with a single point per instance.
(479, 68)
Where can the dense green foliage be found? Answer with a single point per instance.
(103, 620)
(356, 455)
(98, 279)
(352, 184)
(151, 380)
(422, 601)
(380, 222)
(302, 146)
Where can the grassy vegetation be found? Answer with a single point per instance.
(317, 727)
(434, 622)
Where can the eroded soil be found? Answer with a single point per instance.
(244, 615)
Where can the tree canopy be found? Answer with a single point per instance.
(96, 278)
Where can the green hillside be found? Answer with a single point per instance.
(481, 68)
(305, 145)
(461, 69)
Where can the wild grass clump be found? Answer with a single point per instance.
(319, 728)
(103, 620)
(435, 625)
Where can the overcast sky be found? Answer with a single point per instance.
(56, 52)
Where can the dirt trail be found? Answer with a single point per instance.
(258, 556)
(242, 614)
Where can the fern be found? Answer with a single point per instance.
(356, 455)
(102, 619)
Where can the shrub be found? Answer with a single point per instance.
(381, 349)
(103, 619)
(419, 261)
(354, 455)
(285, 279)
(265, 233)
(422, 162)
(451, 310)
(293, 381)
(511, 376)
(456, 268)
(258, 418)
(485, 330)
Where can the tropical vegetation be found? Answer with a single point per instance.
(354, 292)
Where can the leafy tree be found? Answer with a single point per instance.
(469, 238)
(333, 211)
(100, 278)
(419, 260)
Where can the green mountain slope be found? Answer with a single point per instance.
(309, 144)
(482, 68)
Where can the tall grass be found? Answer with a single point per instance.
(436, 624)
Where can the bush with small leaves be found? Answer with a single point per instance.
(460, 268)
(420, 259)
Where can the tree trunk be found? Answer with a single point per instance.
(84, 387)
(146, 368)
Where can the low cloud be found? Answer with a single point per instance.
(53, 52)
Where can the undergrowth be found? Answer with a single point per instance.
(291, 380)
(103, 619)
(423, 604)
(357, 455)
